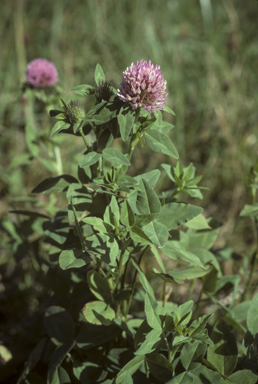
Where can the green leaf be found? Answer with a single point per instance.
(239, 312)
(173, 215)
(56, 360)
(89, 372)
(63, 376)
(147, 200)
(249, 210)
(91, 335)
(73, 258)
(207, 257)
(98, 224)
(58, 127)
(229, 279)
(151, 342)
(252, 316)
(189, 274)
(99, 286)
(112, 213)
(91, 114)
(146, 285)
(55, 184)
(244, 377)
(153, 312)
(165, 127)
(98, 312)
(83, 90)
(160, 367)
(184, 312)
(22, 159)
(159, 142)
(127, 215)
(171, 250)
(224, 354)
(132, 366)
(115, 252)
(90, 159)
(168, 110)
(210, 281)
(205, 375)
(139, 236)
(157, 233)
(140, 336)
(128, 379)
(200, 239)
(151, 177)
(142, 220)
(192, 353)
(99, 74)
(114, 156)
(57, 229)
(126, 118)
(155, 251)
(56, 112)
(184, 378)
(59, 325)
(197, 326)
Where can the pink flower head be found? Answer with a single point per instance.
(144, 86)
(41, 73)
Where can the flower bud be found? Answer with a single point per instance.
(75, 111)
(103, 91)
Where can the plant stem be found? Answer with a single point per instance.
(167, 344)
(59, 165)
(120, 265)
(133, 286)
(84, 138)
(164, 294)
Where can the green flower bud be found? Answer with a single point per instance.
(103, 91)
(74, 111)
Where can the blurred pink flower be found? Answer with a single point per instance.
(144, 85)
(41, 73)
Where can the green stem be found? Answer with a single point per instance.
(167, 345)
(84, 138)
(95, 167)
(173, 352)
(59, 165)
(164, 294)
(133, 286)
(120, 265)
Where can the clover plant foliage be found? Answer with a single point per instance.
(109, 318)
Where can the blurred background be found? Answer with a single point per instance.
(207, 51)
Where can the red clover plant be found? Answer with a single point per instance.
(113, 322)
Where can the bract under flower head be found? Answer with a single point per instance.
(74, 111)
(144, 86)
(41, 73)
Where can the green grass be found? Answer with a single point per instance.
(206, 49)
